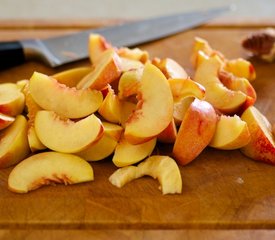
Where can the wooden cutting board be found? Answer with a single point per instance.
(221, 189)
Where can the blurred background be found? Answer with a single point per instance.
(125, 9)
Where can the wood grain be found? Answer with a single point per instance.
(221, 189)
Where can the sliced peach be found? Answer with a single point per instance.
(201, 45)
(31, 105)
(196, 131)
(112, 130)
(170, 68)
(154, 110)
(238, 84)
(241, 68)
(100, 150)
(22, 83)
(65, 101)
(71, 77)
(129, 83)
(5, 121)
(97, 45)
(34, 142)
(14, 143)
(134, 54)
(225, 100)
(180, 108)
(110, 108)
(169, 134)
(49, 168)
(231, 133)
(182, 88)
(129, 64)
(105, 145)
(127, 109)
(65, 135)
(160, 167)
(12, 100)
(262, 144)
(106, 70)
(32, 108)
(126, 153)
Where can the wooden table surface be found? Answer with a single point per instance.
(225, 195)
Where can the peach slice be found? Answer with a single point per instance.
(159, 167)
(71, 77)
(225, 100)
(262, 144)
(182, 88)
(112, 130)
(100, 150)
(129, 83)
(65, 135)
(105, 146)
(12, 100)
(231, 133)
(241, 68)
(31, 105)
(32, 108)
(126, 153)
(106, 70)
(22, 83)
(169, 134)
(196, 131)
(65, 101)
(201, 45)
(127, 109)
(129, 64)
(149, 119)
(170, 68)
(238, 84)
(34, 142)
(180, 109)
(134, 54)
(110, 108)
(97, 45)
(5, 121)
(14, 143)
(49, 168)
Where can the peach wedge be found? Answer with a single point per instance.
(5, 121)
(170, 68)
(49, 168)
(14, 142)
(241, 68)
(195, 132)
(105, 146)
(105, 70)
(65, 135)
(72, 76)
(126, 153)
(225, 100)
(65, 101)
(154, 109)
(262, 144)
(160, 167)
(12, 100)
(231, 133)
(97, 45)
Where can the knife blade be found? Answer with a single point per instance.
(64, 49)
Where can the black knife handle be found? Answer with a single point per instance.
(11, 54)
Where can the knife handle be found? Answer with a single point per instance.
(11, 54)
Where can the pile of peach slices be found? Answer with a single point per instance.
(121, 107)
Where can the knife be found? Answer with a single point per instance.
(54, 51)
